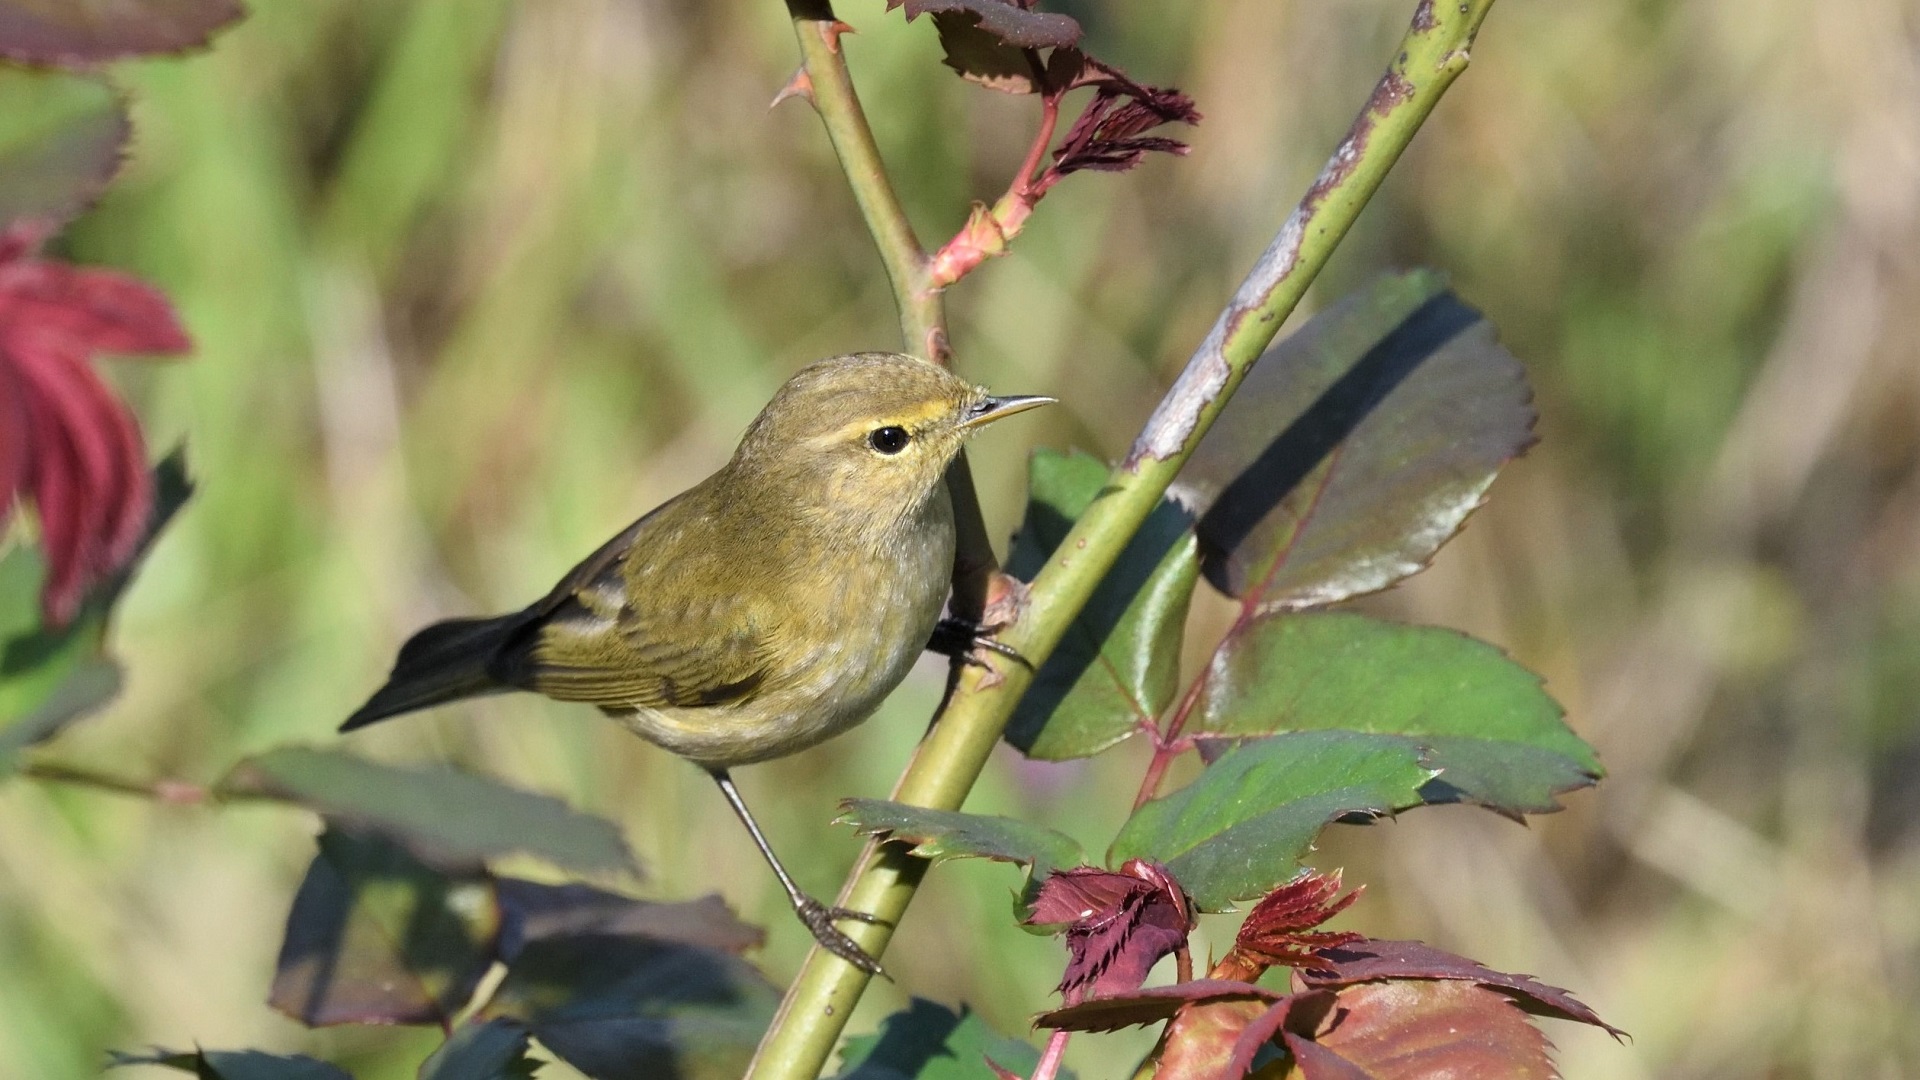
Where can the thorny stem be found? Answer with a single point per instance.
(1056, 1050)
(1432, 54)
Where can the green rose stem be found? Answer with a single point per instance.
(1431, 55)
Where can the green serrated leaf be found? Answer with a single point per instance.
(1489, 727)
(440, 814)
(928, 1041)
(234, 1064)
(945, 834)
(376, 936)
(50, 677)
(1242, 827)
(496, 1050)
(61, 139)
(1117, 667)
(1356, 447)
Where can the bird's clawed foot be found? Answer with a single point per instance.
(968, 642)
(819, 918)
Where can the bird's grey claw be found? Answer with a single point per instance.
(819, 919)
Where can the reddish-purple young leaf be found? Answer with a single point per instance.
(1150, 1005)
(1012, 22)
(1298, 1012)
(1110, 135)
(1316, 1062)
(1373, 959)
(82, 464)
(377, 937)
(1357, 447)
(1419, 1030)
(1279, 929)
(1118, 924)
(80, 32)
(536, 912)
(61, 140)
(1199, 1042)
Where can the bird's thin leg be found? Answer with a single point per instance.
(963, 640)
(817, 917)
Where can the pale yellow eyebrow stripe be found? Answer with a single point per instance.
(909, 420)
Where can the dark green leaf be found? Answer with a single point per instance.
(928, 1041)
(79, 32)
(234, 1065)
(628, 1007)
(1118, 665)
(1241, 828)
(441, 814)
(1357, 447)
(944, 834)
(535, 912)
(61, 139)
(1490, 729)
(496, 1050)
(50, 677)
(376, 936)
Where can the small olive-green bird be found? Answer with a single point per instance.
(767, 608)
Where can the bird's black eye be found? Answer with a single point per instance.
(888, 440)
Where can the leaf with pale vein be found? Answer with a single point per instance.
(1356, 447)
(1488, 727)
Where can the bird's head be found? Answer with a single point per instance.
(866, 434)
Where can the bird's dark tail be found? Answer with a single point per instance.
(445, 662)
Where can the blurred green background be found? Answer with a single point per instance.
(474, 283)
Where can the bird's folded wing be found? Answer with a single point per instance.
(595, 645)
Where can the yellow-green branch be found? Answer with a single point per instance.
(1431, 55)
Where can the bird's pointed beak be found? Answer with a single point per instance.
(987, 410)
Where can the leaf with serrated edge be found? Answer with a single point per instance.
(1488, 726)
(1149, 1005)
(1356, 447)
(929, 1041)
(441, 814)
(234, 1064)
(636, 1007)
(1117, 667)
(78, 32)
(1375, 959)
(1011, 23)
(1416, 1030)
(376, 936)
(1241, 828)
(496, 1050)
(946, 834)
(61, 140)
